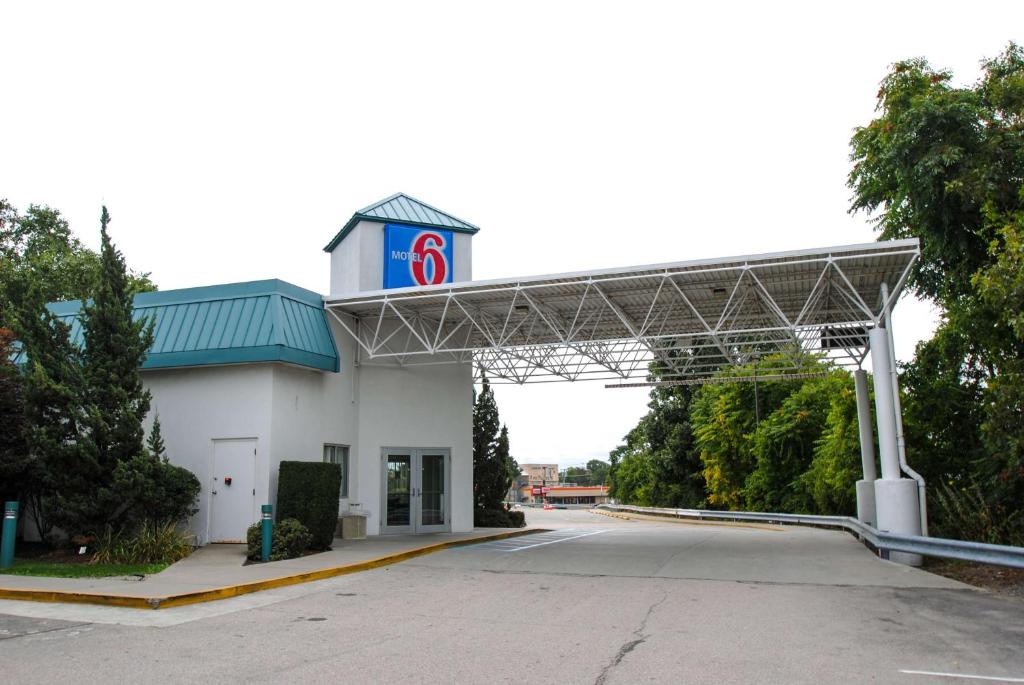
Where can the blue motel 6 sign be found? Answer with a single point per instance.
(416, 256)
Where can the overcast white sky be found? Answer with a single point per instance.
(232, 140)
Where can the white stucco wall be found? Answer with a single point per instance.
(197, 406)
(292, 412)
(463, 256)
(311, 409)
(425, 406)
(357, 263)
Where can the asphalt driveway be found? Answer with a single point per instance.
(597, 600)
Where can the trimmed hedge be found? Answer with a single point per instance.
(498, 518)
(289, 540)
(308, 491)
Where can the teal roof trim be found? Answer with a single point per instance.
(404, 209)
(235, 323)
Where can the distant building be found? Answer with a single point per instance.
(540, 483)
(540, 474)
(577, 494)
(532, 476)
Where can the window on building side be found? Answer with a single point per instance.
(338, 454)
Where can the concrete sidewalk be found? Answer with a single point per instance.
(217, 571)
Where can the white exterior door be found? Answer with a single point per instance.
(233, 489)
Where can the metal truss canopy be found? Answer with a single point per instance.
(693, 317)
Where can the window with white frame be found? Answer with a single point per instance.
(338, 454)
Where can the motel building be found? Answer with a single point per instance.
(377, 376)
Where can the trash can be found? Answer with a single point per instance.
(352, 524)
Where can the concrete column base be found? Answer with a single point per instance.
(866, 503)
(897, 509)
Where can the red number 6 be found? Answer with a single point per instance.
(437, 258)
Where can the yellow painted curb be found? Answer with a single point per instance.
(227, 591)
(688, 521)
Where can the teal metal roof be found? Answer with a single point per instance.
(402, 208)
(235, 323)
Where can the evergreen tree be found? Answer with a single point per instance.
(155, 441)
(14, 462)
(115, 400)
(491, 470)
(86, 467)
(505, 461)
(53, 410)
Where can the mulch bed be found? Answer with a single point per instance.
(1000, 580)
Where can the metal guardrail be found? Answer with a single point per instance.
(1001, 555)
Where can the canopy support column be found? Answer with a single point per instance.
(865, 486)
(895, 497)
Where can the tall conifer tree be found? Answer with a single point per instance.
(53, 411)
(116, 401)
(487, 471)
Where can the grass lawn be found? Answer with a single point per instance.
(38, 567)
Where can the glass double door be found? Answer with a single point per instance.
(416, 498)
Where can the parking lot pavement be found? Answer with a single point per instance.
(603, 601)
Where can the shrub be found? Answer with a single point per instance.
(151, 543)
(289, 540)
(517, 518)
(967, 514)
(155, 490)
(309, 491)
(493, 518)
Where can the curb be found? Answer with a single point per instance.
(228, 591)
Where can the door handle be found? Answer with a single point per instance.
(215, 492)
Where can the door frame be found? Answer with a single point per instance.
(415, 526)
(211, 473)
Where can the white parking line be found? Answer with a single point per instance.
(965, 676)
(551, 542)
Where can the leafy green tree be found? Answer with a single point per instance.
(944, 405)
(37, 249)
(573, 474)
(664, 437)
(725, 417)
(785, 443)
(946, 164)
(1001, 287)
(598, 471)
(830, 480)
(631, 478)
(939, 162)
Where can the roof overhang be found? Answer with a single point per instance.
(695, 317)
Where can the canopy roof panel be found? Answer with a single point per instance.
(694, 316)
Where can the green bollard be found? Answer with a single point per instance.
(268, 531)
(10, 525)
